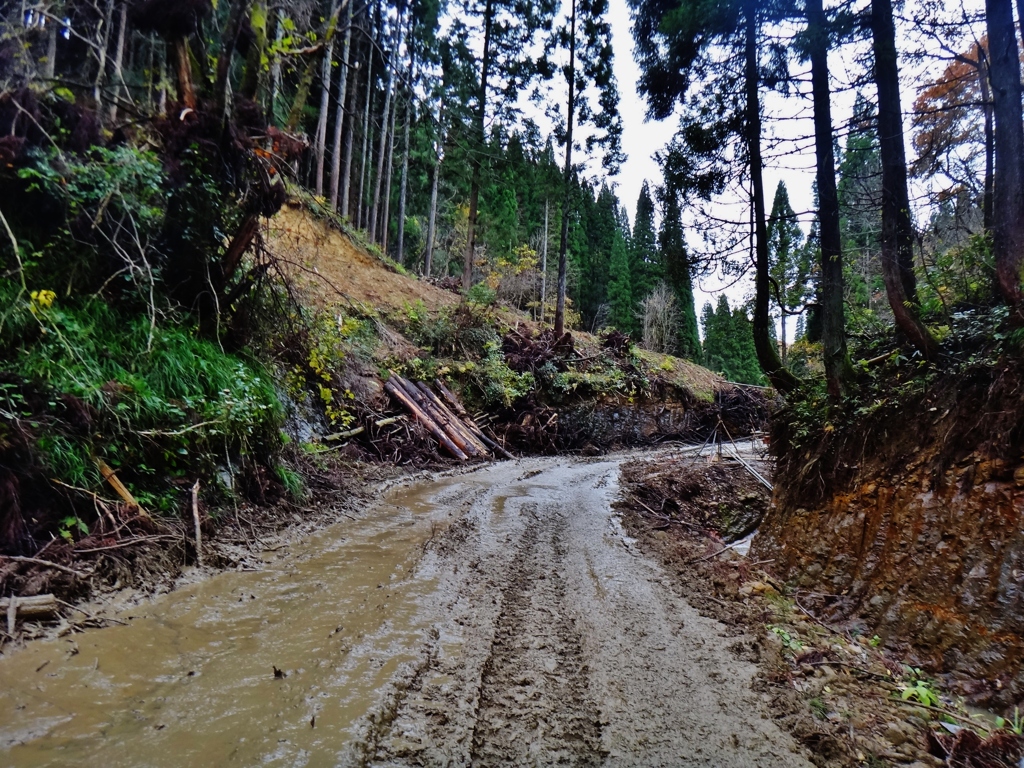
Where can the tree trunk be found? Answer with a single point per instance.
(118, 60)
(782, 335)
(563, 243)
(1008, 200)
(432, 220)
(544, 266)
(250, 86)
(183, 72)
(767, 353)
(838, 368)
(277, 33)
(481, 115)
(388, 177)
(361, 202)
(897, 228)
(403, 188)
(222, 89)
(984, 76)
(306, 83)
(320, 150)
(339, 115)
(50, 66)
(102, 44)
(384, 118)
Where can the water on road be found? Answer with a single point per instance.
(498, 617)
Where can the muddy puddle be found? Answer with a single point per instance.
(191, 679)
(497, 617)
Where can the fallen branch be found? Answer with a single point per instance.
(195, 518)
(123, 544)
(712, 555)
(46, 564)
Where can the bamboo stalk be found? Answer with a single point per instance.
(399, 394)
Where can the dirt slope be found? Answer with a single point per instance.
(330, 266)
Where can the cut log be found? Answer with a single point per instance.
(469, 422)
(452, 431)
(346, 434)
(399, 394)
(35, 607)
(454, 420)
(428, 408)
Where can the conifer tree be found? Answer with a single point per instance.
(789, 265)
(676, 264)
(621, 312)
(587, 38)
(645, 267)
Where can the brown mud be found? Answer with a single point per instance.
(499, 616)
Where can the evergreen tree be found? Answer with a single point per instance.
(676, 264)
(645, 266)
(586, 37)
(621, 306)
(789, 261)
(729, 343)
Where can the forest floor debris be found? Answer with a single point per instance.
(847, 700)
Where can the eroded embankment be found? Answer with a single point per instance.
(910, 519)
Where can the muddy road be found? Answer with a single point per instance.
(498, 617)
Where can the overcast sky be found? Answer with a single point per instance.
(641, 139)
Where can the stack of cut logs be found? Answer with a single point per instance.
(446, 420)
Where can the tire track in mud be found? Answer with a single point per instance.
(535, 706)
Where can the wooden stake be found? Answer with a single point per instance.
(12, 616)
(111, 477)
(195, 518)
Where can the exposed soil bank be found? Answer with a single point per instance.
(837, 691)
(493, 617)
(910, 520)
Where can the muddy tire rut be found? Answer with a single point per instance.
(535, 698)
(499, 617)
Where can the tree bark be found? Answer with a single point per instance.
(428, 257)
(897, 227)
(388, 178)
(404, 186)
(986, 97)
(277, 33)
(481, 115)
(103, 43)
(183, 72)
(306, 83)
(384, 118)
(339, 115)
(254, 59)
(361, 202)
(239, 11)
(118, 60)
(1008, 198)
(544, 266)
(767, 353)
(563, 243)
(838, 368)
(320, 150)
